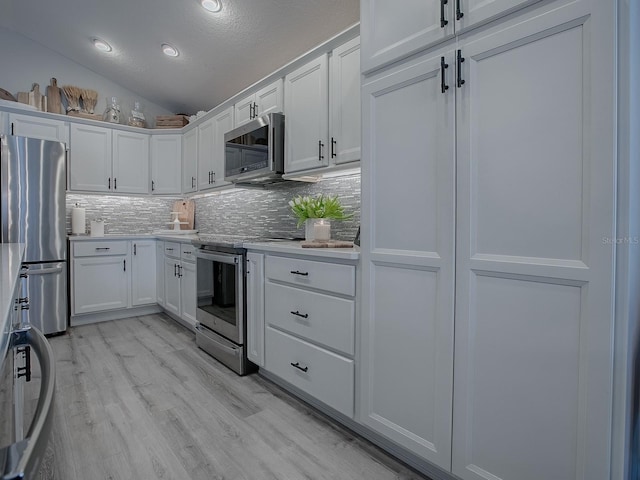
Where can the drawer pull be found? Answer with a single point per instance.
(298, 314)
(296, 272)
(169, 249)
(187, 253)
(297, 365)
(103, 248)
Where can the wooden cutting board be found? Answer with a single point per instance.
(187, 209)
(54, 104)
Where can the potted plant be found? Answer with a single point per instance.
(316, 214)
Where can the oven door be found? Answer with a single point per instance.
(220, 287)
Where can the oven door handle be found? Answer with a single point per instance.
(219, 257)
(22, 459)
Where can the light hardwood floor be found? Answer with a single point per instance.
(136, 399)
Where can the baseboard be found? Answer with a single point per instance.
(413, 461)
(89, 318)
(178, 319)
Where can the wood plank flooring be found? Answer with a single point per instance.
(136, 399)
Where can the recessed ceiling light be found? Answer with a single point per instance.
(101, 45)
(212, 5)
(169, 50)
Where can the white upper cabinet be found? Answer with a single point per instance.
(268, 99)
(344, 95)
(206, 138)
(190, 161)
(394, 30)
(130, 162)
(166, 160)
(90, 158)
(36, 127)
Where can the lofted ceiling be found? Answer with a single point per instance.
(220, 53)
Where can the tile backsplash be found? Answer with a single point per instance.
(251, 212)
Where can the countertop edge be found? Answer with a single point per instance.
(295, 248)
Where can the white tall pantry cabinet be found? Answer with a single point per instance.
(494, 155)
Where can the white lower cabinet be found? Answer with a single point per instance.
(309, 313)
(188, 292)
(180, 281)
(171, 286)
(255, 308)
(160, 272)
(143, 272)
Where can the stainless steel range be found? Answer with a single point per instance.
(221, 294)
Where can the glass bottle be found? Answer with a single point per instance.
(136, 119)
(112, 113)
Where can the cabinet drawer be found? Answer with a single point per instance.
(102, 248)
(331, 277)
(328, 377)
(188, 252)
(172, 249)
(317, 317)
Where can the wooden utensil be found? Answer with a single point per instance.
(54, 103)
(4, 95)
(187, 209)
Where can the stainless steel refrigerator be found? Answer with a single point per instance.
(33, 178)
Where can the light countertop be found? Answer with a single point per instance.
(10, 261)
(295, 248)
(139, 236)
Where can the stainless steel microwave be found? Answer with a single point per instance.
(254, 152)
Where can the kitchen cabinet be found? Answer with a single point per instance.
(326, 85)
(90, 158)
(180, 281)
(267, 100)
(255, 308)
(107, 160)
(172, 292)
(143, 272)
(160, 273)
(187, 275)
(531, 166)
(190, 161)
(309, 316)
(394, 30)
(211, 149)
(100, 276)
(166, 164)
(37, 127)
(130, 162)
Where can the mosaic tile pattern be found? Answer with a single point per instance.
(241, 211)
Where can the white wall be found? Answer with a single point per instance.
(24, 62)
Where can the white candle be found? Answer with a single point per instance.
(321, 230)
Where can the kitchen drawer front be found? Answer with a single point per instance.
(188, 252)
(102, 248)
(172, 249)
(328, 376)
(323, 319)
(331, 277)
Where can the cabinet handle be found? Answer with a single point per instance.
(109, 183)
(24, 307)
(175, 269)
(115, 183)
(443, 81)
(193, 182)
(169, 249)
(460, 61)
(103, 248)
(124, 262)
(297, 365)
(187, 253)
(298, 314)
(12, 129)
(320, 145)
(255, 110)
(179, 271)
(333, 144)
(459, 13)
(443, 21)
(135, 249)
(214, 177)
(251, 111)
(296, 272)
(26, 370)
(153, 185)
(22, 300)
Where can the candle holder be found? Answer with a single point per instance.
(317, 229)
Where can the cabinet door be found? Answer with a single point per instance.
(408, 278)
(188, 292)
(90, 158)
(206, 136)
(166, 160)
(536, 176)
(307, 107)
(244, 110)
(143, 272)
(160, 273)
(473, 12)
(393, 30)
(100, 283)
(269, 99)
(130, 162)
(345, 112)
(255, 308)
(171, 286)
(189, 161)
(35, 127)
(223, 122)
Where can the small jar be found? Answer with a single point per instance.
(136, 119)
(112, 112)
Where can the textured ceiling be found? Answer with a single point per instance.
(220, 54)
